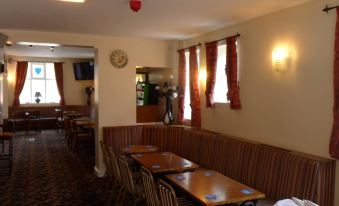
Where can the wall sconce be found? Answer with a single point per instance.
(202, 75)
(280, 59)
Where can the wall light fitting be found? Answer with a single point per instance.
(280, 58)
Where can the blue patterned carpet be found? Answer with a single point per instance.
(46, 172)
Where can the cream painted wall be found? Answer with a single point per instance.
(74, 91)
(115, 88)
(292, 108)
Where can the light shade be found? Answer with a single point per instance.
(37, 94)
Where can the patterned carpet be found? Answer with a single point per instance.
(46, 172)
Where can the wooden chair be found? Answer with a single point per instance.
(129, 185)
(18, 121)
(168, 197)
(80, 137)
(105, 156)
(59, 120)
(33, 120)
(151, 195)
(7, 156)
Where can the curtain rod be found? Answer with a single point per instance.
(237, 35)
(327, 8)
(16, 60)
(188, 47)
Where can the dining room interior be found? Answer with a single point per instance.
(169, 103)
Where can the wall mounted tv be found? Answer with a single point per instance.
(84, 70)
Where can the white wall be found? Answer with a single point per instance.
(292, 108)
(115, 88)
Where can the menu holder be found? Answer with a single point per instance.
(156, 166)
(184, 164)
(208, 174)
(180, 177)
(211, 197)
(246, 191)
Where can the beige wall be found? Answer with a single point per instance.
(291, 108)
(74, 91)
(115, 88)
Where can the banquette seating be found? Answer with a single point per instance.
(48, 116)
(277, 172)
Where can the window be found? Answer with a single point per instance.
(187, 100)
(220, 88)
(40, 78)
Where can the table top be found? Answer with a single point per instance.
(212, 188)
(140, 149)
(164, 162)
(83, 119)
(85, 122)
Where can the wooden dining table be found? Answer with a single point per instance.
(212, 188)
(164, 162)
(85, 122)
(139, 149)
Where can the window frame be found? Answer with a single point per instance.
(222, 43)
(30, 78)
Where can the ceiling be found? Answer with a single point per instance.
(160, 19)
(45, 52)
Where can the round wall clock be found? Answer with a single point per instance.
(119, 58)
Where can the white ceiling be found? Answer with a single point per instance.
(44, 51)
(161, 19)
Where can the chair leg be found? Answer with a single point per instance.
(122, 198)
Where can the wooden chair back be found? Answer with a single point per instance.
(126, 175)
(115, 170)
(106, 159)
(151, 194)
(167, 194)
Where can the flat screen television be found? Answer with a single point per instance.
(84, 70)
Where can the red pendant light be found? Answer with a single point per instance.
(135, 5)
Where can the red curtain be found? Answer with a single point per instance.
(20, 77)
(194, 88)
(181, 85)
(60, 81)
(334, 143)
(211, 69)
(232, 73)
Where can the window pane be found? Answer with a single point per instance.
(50, 73)
(29, 71)
(38, 70)
(38, 86)
(25, 96)
(52, 94)
(187, 100)
(220, 89)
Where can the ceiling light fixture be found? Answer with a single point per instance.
(74, 1)
(37, 44)
(135, 5)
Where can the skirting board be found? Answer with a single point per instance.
(99, 173)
